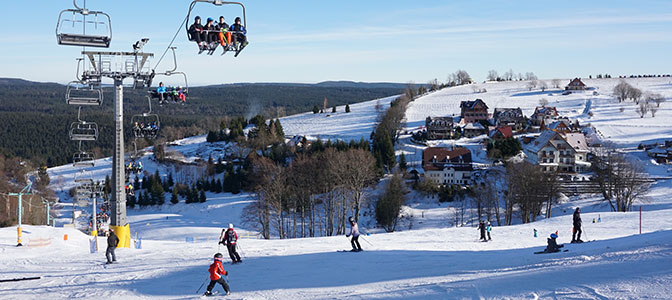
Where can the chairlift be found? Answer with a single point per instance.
(178, 94)
(83, 159)
(83, 130)
(80, 93)
(146, 125)
(99, 22)
(236, 47)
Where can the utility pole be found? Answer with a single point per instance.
(25, 191)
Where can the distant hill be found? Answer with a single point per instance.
(35, 117)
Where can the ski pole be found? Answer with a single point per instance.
(366, 241)
(242, 252)
(202, 284)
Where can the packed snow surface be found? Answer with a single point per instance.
(427, 258)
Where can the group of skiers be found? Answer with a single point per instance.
(210, 35)
(484, 228)
(229, 238)
(141, 129)
(134, 167)
(177, 94)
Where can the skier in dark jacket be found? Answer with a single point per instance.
(239, 33)
(112, 243)
(211, 32)
(553, 244)
(216, 271)
(354, 232)
(481, 227)
(196, 33)
(229, 238)
(576, 231)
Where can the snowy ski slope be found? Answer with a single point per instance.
(430, 261)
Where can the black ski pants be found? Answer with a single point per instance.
(232, 252)
(483, 234)
(576, 234)
(109, 253)
(220, 281)
(355, 243)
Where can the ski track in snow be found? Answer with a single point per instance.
(433, 260)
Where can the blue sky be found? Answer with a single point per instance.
(400, 41)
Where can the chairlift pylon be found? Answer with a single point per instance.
(78, 15)
(213, 46)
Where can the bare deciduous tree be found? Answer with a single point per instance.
(622, 181)
(642, 109)
(508, 75)
(652, 109)
(531, 84)
(555, 83)
(543, 85)
(621, 90)
(655, 98)
(462, 77)
(492, 75)
(530, 76)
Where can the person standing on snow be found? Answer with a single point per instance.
(576, 231)
(354, 232)
(216, 271)
(481, 227)
(112, 243)
(488, 228)
(229, 238)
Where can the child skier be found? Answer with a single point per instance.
(216, 271)
(488, 228)
(553, 244)
(481, 227)
(354, 232)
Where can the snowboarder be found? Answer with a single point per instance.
(481, 227)
(229, 238)
(216, 271)
(552, 244)
(488, 228)
(576, 231)
(112, 243)
(354, 232)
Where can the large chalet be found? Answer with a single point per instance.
(576, 85)
(439, 128)
(554, 151)
(445, 166)
(473, 111)
(544, 115)
(512, 117)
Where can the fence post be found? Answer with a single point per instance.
(640, 219)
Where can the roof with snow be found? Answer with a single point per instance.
(474, 126)
(439, 158)
(576, 82)
(505, 131)
(473, 104)
(545, 111)
(577, 141)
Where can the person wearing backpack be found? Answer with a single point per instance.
(229, 238)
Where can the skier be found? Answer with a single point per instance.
(212, 33)
(577, 227)
(161, 91)
(216, 271)
(488, 228)
(552, 244)
(196, 33)
(239, 33)
(112, 243)
(481, 227)
(224, 34)
(354, 232)
(229, 238)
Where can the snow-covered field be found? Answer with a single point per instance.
(433, 260)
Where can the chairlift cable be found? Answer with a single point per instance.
(171, 42)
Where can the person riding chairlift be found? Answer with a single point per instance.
(239, 33)
(224, 34)
(196, 33)
(211, 33)
(161, 91)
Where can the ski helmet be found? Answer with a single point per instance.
(219, 256)
(351, 220)
(230, 225)
(554, 236)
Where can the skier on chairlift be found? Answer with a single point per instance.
(196, 33)
(239, 34)
(224, 34)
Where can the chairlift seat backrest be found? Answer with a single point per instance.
(69, 39)
(101, 38)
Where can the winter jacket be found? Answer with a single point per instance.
(210, 27)
(112, 240)
(230, 237)
(217, 270)
(222, 27)
(195, 28)
(488, 228)
(161, 89)
(577, 219)
(238, 28)
(552, 245)
(481, 227)
(354, 230)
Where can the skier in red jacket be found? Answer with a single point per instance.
(216, 271)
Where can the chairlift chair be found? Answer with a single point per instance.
(68, 20)
(211, 49)
(83, 94)
(146, 125)
(153, 94)
(83, 159)
(83, 131)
